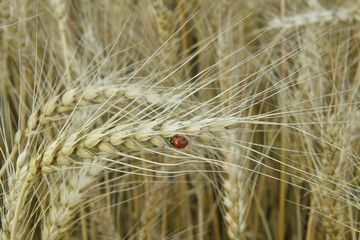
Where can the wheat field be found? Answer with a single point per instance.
(94, 95)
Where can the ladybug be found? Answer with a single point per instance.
(178, 141)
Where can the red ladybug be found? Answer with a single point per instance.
(178, 141)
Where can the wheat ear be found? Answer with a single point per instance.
(236, 191)
(102, 140)
(317, 17)
(75, 98)
(21, 181)
(58, 8)
(66, 197)
(165, 22)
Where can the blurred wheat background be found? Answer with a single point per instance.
(266, 92)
